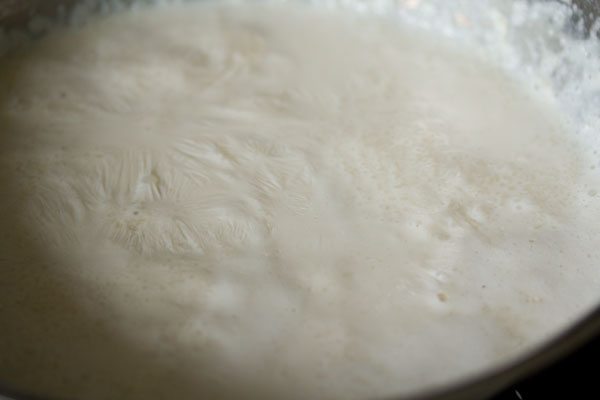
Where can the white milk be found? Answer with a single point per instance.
(282, 201)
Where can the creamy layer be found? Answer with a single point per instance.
(206, 201)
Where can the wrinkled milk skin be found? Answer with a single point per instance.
(219, 202)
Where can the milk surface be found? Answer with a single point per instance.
(279, 201)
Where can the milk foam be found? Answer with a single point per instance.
(280, 201)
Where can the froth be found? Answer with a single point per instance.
(206, 194)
